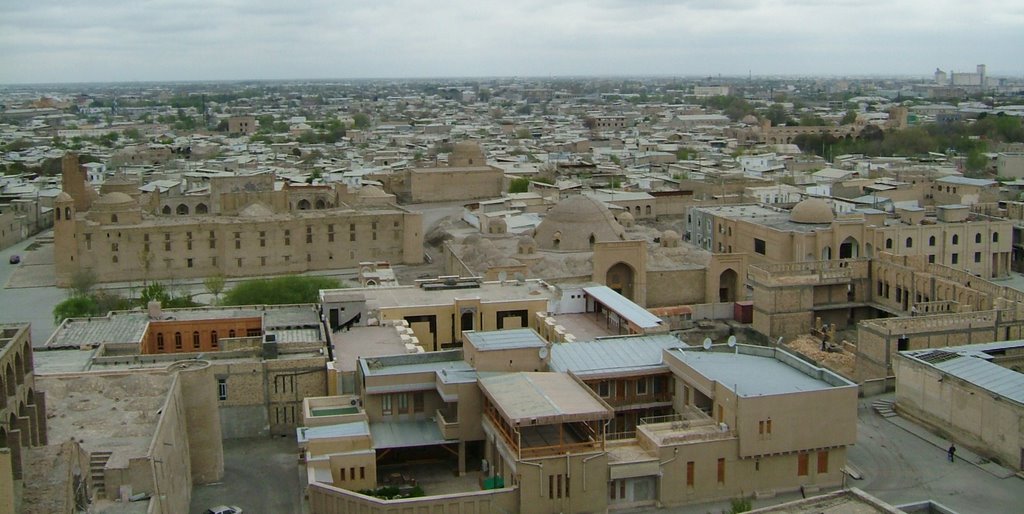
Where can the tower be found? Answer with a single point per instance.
(65, 242)
(73, 180)
(981, 75)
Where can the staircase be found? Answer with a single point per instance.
(97, 461)
(884, 408)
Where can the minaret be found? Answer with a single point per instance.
(73, 180)
(65, 241)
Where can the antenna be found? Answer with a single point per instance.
(707, 343)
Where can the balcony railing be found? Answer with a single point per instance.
(449, 427)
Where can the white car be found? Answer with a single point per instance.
(224, 509)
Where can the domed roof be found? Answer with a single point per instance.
(670, 234)
(812, 211)
(372, 192)
(749, 119)
(115, 198)
(625, 216)
(526, 239)
(63, 197)
(575, 223)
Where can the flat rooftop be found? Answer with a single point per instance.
(543, 398)
(109, 412)
(504, 339)
(751, 371)
(623, 306)
(615, 356)
(358, 342)
(410, 296)
(975, 366)
(763, 216)
(353, 429)
(448, 361)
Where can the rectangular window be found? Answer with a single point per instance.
(759, 246)
(351, 236)
(559, 482)
(977, 256)
(263, 260)
(931, 259)
(823, 461)
(403, 403)
(362, 472)
(605, 389)
(955, 258)
(768, 424)
(551, 487)
(641, 386)
(213, 240)
(385, 405)
(287, 237)
(341, 474)
(417, 401)
(760, 427)
(309, 234)
(263, 239)
(721, 471)
(689, 474)
(222, 389)
(189, 262)
(801, 465)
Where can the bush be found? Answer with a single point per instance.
(741, 505)
(519, 185)
(279, 291)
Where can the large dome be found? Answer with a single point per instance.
(116, 199)
(575, 223)
(812, 211)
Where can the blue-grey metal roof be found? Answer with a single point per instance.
(352, 429)
(972, 363)
(405, 434)
(623, 306)
(956, 179)
(504, 339)
(612, 356)
(750, 375)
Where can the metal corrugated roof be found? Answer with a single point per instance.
(623, 306)
(504, 339)
(986, 375)
(614, 356)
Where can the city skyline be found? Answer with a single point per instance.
(58, 42)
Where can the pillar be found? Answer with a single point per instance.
(462, 458)
(6, 482)
(14, 445)
(40, 404)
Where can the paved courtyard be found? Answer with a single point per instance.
(261, 475)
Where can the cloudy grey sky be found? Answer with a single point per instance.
(127, 40)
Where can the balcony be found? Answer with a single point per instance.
(449, 426)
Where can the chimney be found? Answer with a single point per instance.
(155, 309)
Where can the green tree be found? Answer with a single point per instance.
(684, 154)
(776, 113)
(849, 117)
(74, 307)
(519, 185)
(214, 285)
(361, 121)
(82, 282)
(289, 289)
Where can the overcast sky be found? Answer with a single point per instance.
(161, 40)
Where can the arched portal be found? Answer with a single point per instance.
(849, 248)
(620, 278)
(303, 205)
(727, 286)
(182, 210)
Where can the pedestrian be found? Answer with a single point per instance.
(951, 452)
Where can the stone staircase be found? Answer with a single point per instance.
(884, 408)
(97, 461)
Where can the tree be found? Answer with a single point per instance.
(291, 289)
(590, 123)
(685, 153)
(519, 185)
(214, 285)
(849, 117)
(74, 307)
(523, 133)
(82, 282)
(776, 113)
(361, 121)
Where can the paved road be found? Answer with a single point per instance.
(261, 475)
(32, 304)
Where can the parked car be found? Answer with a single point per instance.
(15, 259)
(224, 509)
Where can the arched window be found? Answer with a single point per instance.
(320, 204)
(113, 218)
(977, 237)
(213, 338)
(195, 340)
(303, 205)
(231, 333)
(177, 340)
(592, 240)
(160, 341)
(647, 210)
(67, 213)
(931, 241)
(888, 243)
(182, 209)
(166, 210)
(956, 239)
(910, 242)
(995, 237)
(58, 214)
(202, 209)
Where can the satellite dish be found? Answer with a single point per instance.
(732, 341)
(707, 343)
(543, 352)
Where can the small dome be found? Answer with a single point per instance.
(115, 198)
(526, 239)
(576, 223)
(670, 235)
(63, 197)
(624, 217)
(812, 211)
(749, 119)
(372, 192)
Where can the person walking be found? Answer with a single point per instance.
(951, 452)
